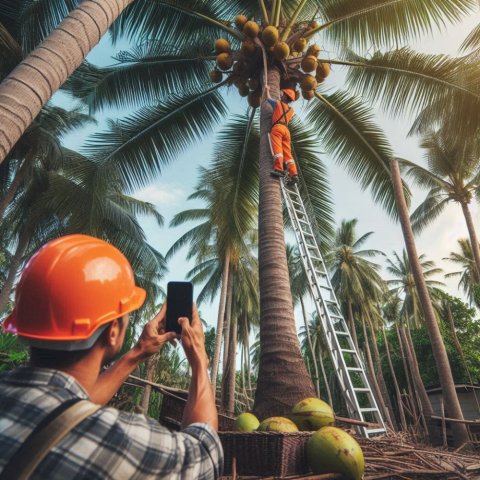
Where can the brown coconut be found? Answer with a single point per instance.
(240, 21)
(308, 94)
(309, 63)
(243, 90)
(222, 45)
(323, 71)
(253, 83)
(216, 76)
(281, 51)
(251, 29)
(299, 45)
(313, 24)
(270, 36)
(224, 61)
(254, 99)
(308, 83)
(248, 48)
(313, 50)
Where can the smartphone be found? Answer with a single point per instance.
(179, 304)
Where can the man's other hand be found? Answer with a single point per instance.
(193, 340)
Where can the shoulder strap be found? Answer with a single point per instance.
(45, 437)
(284, 115)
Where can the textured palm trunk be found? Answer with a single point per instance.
(219, 331)
(228, 318)
(381, 379)
(230, 388)
(473, 239)
(150, 376)
(373, 379)
(282, 376)
(14, 266)
(459, 430)
(324, 375)
(31, 84)
(406, 370)
(398, 395)
(351, 321)
(310, 346)
(12, 190)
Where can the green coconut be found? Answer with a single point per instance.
(308, 83)
(216, 76)
(270, 36)
(281, 51)
(312, 413)
(254, 99)
(246, 422)
(224, 61)
(299, 45)
(323, 71)
(240, 21)
(248, 48)
(251, 29)
(222, 45)
(314, 50)
(277, 424)
(309, 63)
(331, 450)
(308, 94)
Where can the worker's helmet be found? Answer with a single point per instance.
(289, 93)
(68, 290)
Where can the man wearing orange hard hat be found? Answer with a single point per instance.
(72, 307)
(280, 139)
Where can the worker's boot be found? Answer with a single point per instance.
(277, 173)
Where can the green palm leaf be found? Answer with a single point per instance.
(428, 210)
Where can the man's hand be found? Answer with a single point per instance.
(154, 336)
(193, 340)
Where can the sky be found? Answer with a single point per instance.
(178, 180)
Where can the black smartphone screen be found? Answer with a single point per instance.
(179, 304)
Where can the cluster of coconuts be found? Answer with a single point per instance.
(329, 449)
(242, 66)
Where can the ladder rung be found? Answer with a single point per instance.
(346, 350)
(375, 430)
(370, 409)
(338, 332)
(355, 369)
(357, 389)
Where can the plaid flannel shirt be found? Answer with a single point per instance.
(108, 444)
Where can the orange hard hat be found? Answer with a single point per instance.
(72, 286)
(289, 93)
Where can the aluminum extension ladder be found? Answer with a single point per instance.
(361, 403)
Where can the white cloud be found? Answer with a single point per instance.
(161, 196)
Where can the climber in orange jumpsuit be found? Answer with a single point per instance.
(280, 140)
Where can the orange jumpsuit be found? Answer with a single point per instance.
(280, 140)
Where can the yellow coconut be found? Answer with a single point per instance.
(254, 99)
(308, 83)
(299, 45)
(308, 94)
(216, 76)
(270, 36)
(313, 50)
(312, 413)
(248, 48)
(240, 21)
(281, 51)
(246, 422)
(309, 63)
(222, 45)
(224, 61)
(251, 29)
(313, 24)
(277, 424)
(323, 71)
(253, 83)
(331, 450)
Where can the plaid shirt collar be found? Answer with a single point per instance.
(43, 377)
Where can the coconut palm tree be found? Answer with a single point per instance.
(452, 175)
(468, 275)
(143, 142)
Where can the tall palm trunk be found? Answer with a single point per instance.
(150, 376)
(31, 84)
(324, 374)
(282, 377)
(460, 432)
(351, 322)
(398, 395)
(473, 239)
(228, 317)
(15, 265)
(232, 357)
(310, 346)
(221, 315)
(12, 189)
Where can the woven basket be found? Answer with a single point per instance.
(173, 405)
(265, 453)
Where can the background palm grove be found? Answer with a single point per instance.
(167, 89)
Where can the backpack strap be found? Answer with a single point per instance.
(45, 437)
